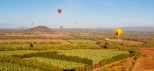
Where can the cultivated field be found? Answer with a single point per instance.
(73, 50)
(121, 65)
(125, 41)
(82, 41)
(131, 42)
(34, 40)
(95, 55)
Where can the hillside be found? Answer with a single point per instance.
(38, 29)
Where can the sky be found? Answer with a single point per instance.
(86, 13)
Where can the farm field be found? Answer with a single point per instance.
(67, 50)
(77, 35)
(125, 41)
(131, 42)
(10, 47)
(122, 41)
(82, 41)
(122, 65)
(5, 66)
(94, 55)
(59, 63)
(16, 52)
(34, 40)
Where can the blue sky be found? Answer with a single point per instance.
(86, 13)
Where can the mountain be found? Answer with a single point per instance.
(38, 29)
(130, 28)
(138, 28)
(44, 29)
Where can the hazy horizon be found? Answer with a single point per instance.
(86, 13)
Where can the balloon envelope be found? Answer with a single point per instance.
(118, 32)
(61, 27)
(59, 10)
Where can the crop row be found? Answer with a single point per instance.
(16, 52)
(30, 63)
(5, 66)
(54, 55)
(43, 65)
(10, 47)
(103, 62)
(58, 63)
(92, 54)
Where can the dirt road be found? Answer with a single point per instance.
(97, 69)
(145, 63)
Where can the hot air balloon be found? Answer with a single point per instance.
(61, 27)
(59, 10)
(118, 32)
(75, 22)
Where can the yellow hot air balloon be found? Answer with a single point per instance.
(61, 27)
(118, 32)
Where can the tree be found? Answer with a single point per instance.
(106, 45)
(31, 44)
(98, 42)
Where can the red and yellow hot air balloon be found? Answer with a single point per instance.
(118, 32)
(59, 10)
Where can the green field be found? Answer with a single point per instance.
(59, 63)
(81, 54)
(82, 41)
(11, 47)
(26, 45)
(93, 54)
(16, 52)
(4, 66)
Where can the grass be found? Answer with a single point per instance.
(4, 66)
(46, 46)
(16, 52)
(14, 45)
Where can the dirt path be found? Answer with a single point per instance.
(97, 69)
(145, 63)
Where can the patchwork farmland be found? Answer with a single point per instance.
(70, 51)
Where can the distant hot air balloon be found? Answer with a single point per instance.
(59, 10)
(118, 32)
(75, 22)
(61, 27)
(32, 23)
